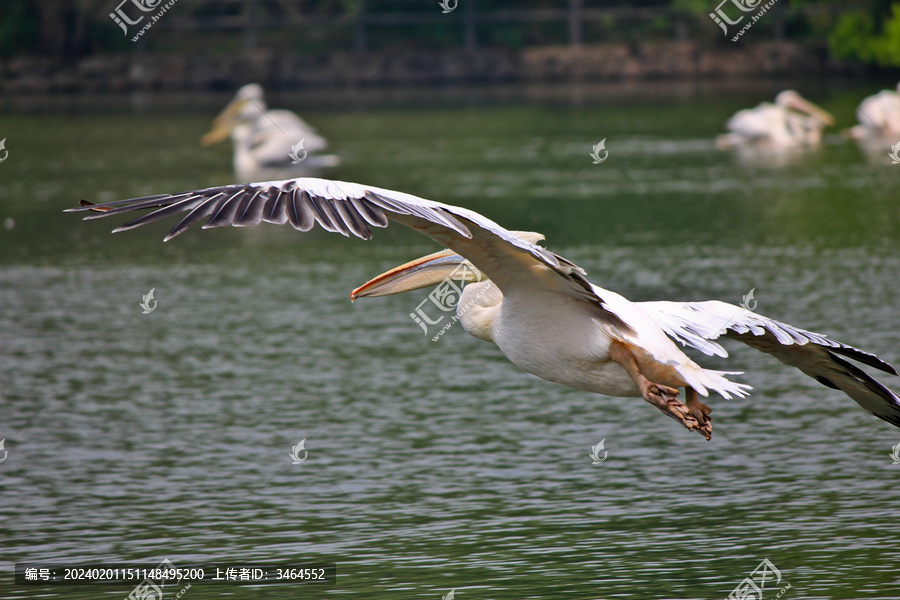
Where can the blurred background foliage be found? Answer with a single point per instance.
(871, 36)
(867, 31)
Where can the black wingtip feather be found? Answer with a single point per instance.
(874, 386)
(865, 358)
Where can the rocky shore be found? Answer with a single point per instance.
(612, 62)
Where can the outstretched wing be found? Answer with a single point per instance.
(697, 324)
(353, 209)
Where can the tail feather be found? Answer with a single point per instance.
(704, 380)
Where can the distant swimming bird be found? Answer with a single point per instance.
(536, 306)
(790, 121)
(265, 140)
(879, 116)
(879, 126)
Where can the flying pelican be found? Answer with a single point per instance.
(268, 143)
(536, 306)
(790, 121)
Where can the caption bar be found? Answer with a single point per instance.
(60, 574)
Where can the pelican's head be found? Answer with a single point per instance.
(791, 99)
(427, 271)
(246, 106)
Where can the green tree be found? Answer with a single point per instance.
(872, 37)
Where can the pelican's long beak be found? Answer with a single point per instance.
(230, 112)
(422, 272)
(219, 133)
(803, 105)
(224, 123)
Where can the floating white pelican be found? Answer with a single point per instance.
(790, 121)
(536, 306)
(879, 124)
(268, 143)
(879, 116)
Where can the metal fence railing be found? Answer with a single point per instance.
(471, 27)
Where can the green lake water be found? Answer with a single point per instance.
(435, 466)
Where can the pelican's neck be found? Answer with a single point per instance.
(479, 309)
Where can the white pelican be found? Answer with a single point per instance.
(536, 306)
(266, 141)
(879, 125)
(790, 121)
